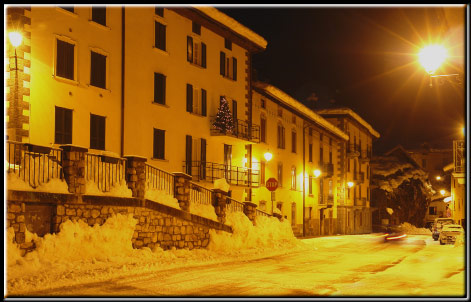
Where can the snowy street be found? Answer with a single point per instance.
(350, 265)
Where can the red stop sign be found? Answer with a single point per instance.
(271, 184)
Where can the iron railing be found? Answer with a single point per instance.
(209, 171)
(366, 154)
(262, 213)
(353, 150)
(159, 180)
(200, 194)
(234, 206)
(459, 156)
(33, 164)
(240, 130)
(106, 172)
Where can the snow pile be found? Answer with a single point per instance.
(221, 184)
(161, 197)
(203, 210)
(459, 242)
(413, 230)
(390, 211)
(54, 185)
(268, 232)
(120, 189)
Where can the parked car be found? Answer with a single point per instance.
(449, 233)
(438, 224)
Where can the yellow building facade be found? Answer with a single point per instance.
(354, 213)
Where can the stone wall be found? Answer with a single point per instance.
(158, 225)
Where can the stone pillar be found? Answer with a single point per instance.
(136, 175)
(182, 190)
(279, 216)
(219, 203)
(73, 164)
(249, 211)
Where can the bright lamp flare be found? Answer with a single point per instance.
(447, 199)
(350, 184)
(431, 57)
(268, 156)
(442, 192)
(317, 173)
(439, 178)
(15, 38)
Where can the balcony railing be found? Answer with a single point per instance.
(208, 171)
(240, 130)
(200, 194)
(105, 171)
(234, 206)
(459, 156)
(330, 199)
(359, 202)
(353, 150)
(159, 180)
(327, 169)
(33, 164)
(322, 199)
(359, 177)
(365, 155)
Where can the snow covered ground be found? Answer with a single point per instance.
(262, 260)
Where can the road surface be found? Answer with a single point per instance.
(352, 265)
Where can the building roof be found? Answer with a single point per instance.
(297, 106)
(352, 114)
(402, 153)
(233, 25)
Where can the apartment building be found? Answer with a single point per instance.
(134, 80)
(354, 215)
(304, 149)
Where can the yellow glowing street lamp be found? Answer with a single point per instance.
(438, 177)
(350, 184)
(15, 39)
(431, 57)
(317, 173)
(268, 156)
(442, 192)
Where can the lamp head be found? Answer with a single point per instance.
(431, 57)
(15, 38)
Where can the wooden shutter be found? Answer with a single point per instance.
(189, 49)
(234, 69)
(188, 149)
(65, 60)
(203, 159)
(159, 88)
(98, 70)
(159, 11)
(203, 102)
(263, 128)
(222, 63)
(203, 55)
(189, 98)
(159, 143)
(234, 111)
(63, 126)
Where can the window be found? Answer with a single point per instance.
(159, 88)
(293, 141)
(196, 52)
(159, 144)
(98, 70)
(196, 100)
(280, 174)
(280, 111)
(310, 153)
(311, 179)
(65, 60)
(263, 103)
(293, 119)
(227, 44)
(330, 156)
(196, 28)
(159, 11)
(262, 172)
(432, 210)
(63, 126)
(263, 129)
(99, 15)
(97, 132)
(321, 154)
(68, 8)
(160, 32)
(293, 178)
(281, 136)
(228, 66)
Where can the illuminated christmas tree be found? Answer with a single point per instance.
(223, 121)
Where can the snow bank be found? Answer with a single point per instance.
(203, 210)
(120, 189)
(161, 197)
(55, 185)
(268, 232)
(413, 230)
(221, 184)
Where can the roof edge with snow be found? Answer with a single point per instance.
(296, 105)
(351, 113)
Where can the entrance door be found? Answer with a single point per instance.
(321, 222)
(227, 162)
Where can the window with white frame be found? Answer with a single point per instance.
(196, 100)
(196, 52)
(228, 66)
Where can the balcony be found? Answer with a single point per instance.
(360, 202)
(327, 169)
(365, 156)
(208, 171)
(241, 130)
(353, 150)
(359, 177)
(330, 200)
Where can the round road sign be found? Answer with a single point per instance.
(271, 184)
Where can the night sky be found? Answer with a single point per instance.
(364, 58)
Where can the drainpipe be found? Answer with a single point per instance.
(304, 179)
(122, 77)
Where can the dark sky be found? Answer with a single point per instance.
(365, 59)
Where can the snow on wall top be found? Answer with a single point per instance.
(354, 115)
(233, 25)
(293, 103)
